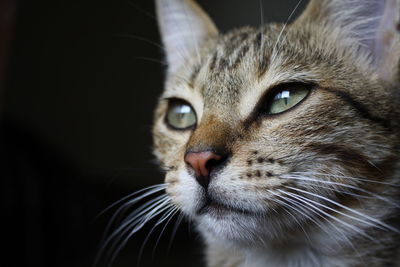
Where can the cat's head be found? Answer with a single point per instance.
(265, 131)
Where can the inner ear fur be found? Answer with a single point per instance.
(372, 24)
(184, 27)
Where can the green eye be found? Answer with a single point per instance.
(180, 115)
(286, 99)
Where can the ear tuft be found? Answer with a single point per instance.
(184, 26)
(372, 23)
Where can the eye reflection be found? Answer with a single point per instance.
(180, 115)
(286, 99)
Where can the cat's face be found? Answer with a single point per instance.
(265, 131)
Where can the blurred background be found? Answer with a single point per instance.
(78, 83)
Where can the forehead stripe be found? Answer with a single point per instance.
(361, 109)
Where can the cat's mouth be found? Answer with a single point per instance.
(217, 209)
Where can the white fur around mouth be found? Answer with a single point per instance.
(219, 210)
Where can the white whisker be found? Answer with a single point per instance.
(159, 187)
(132, 223)
(261, 30)
(165, 216)
(312, 209)
(356, 188)
(287, 207)
(175, 211)
(348, 177)
(307, 202)
(379, 224)
(139, 38)
(137, 226)
(176, 226)
(274, 52)
(151, 190)
(127, 225)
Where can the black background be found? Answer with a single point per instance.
(82, 81)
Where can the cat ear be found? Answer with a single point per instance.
(374, 24)
(184, 26)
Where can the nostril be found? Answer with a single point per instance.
(211, 164)
(203, 163)
(214, 163)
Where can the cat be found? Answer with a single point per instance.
(282, 143)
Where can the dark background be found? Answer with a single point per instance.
(80, 83)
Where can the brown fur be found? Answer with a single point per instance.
(349, 126)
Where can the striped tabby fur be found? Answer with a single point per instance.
(317, 185)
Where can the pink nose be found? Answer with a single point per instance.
(202, 164)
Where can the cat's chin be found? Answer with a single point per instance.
(220, 210)
(236, 226)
